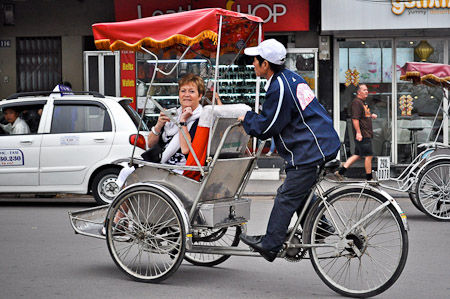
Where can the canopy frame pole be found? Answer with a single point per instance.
(215, 87)
(445, 115)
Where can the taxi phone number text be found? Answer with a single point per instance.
(10, 158)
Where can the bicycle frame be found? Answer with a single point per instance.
(322, 195)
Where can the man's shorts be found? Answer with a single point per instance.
(363, 148)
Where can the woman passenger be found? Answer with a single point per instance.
(176, 149)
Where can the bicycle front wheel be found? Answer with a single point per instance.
(370, 248)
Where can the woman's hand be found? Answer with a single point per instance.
(162, 120)
(185, 114)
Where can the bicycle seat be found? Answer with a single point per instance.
(333, 164)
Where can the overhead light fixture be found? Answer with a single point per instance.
(363, 42)
(423, 50)
(411, 43)
(432, 97)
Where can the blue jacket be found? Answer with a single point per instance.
(302, 128)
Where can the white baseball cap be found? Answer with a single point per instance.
(271, 50)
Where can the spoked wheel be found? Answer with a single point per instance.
(433, 190)
(147, 241)
(227, 236)
(371, 250)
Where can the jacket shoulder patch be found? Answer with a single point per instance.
(304, 95)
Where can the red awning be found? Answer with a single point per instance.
(427, 73)
(187, 28)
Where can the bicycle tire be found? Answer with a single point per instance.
(413, 197)
(433, 190)
(148, 243)
(381, 241)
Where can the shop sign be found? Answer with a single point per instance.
(128, 75)
(432, 6)
(288, 15)
(384, 15)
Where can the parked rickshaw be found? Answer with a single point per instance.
(197, 216)
(427, 177)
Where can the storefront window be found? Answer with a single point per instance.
(368, 62)
(417, 105)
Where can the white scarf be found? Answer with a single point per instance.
(171, 131)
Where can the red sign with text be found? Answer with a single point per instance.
(287, 15)
(128, 75)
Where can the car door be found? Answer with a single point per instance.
(19, 154)
(80, 136)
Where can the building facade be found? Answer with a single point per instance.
(372, 40)
(42, 42)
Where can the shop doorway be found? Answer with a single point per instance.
(102, 72)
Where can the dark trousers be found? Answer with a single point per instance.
(291, 197)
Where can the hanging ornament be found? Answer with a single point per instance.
(348, 77)
(355, 77)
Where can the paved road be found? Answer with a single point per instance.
(41, 257)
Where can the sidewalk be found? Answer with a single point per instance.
(269, 187)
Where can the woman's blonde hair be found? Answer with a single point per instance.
(197, 80)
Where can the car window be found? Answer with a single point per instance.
(135, 117)
(79, 119)
(26, 122)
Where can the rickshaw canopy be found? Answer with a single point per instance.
(433, 74)
(196, 28)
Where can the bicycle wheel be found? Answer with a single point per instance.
(227, 236)
(365, 258)
(148, 241)
(433, 190)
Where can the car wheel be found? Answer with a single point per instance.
(104, 187)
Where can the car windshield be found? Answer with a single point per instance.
(133, 115)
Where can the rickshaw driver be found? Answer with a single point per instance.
(304, 137)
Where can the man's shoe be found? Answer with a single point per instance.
(255, 243)
(338, 176)
(269, 154)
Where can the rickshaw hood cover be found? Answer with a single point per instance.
(187, 28)
(427, 73)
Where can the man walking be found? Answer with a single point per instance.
(362, 129)
(304, 137)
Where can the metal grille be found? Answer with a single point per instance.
(38, 63)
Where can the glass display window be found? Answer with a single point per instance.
(366, 62)
(417, 106)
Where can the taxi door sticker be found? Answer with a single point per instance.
(304, 95)
(70, 140)
(11, 157)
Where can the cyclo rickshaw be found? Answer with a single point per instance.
(165, 217)
(427, 177)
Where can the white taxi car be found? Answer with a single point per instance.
(72, 141)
